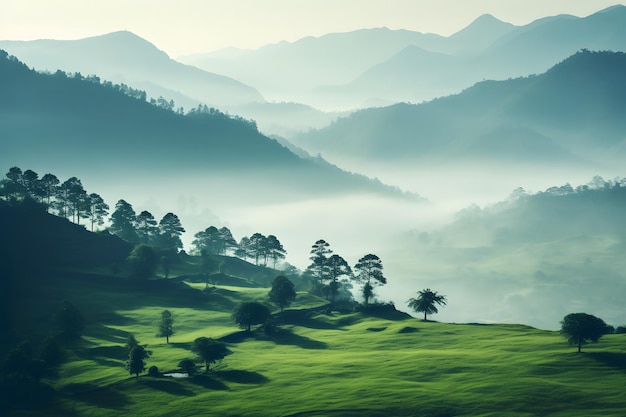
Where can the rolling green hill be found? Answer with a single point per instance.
(314, 363)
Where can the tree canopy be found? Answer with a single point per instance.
(136, 362)
(250, 313)
(370, 273)
(209, 351)
(166, 325)
(283, 292)
(580, 328)
(427, 302)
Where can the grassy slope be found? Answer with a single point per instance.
(330, 365)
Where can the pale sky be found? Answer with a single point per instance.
(181, 27)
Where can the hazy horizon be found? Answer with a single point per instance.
(191, 27)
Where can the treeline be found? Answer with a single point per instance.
(70, 200)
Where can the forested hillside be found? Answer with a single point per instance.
(71, 122)
(570, 114)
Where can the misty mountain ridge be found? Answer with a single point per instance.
(534, 256)
(123, 57)
(68, 123)
(342, 71)
(571, 113)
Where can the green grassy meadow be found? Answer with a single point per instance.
(317, 363)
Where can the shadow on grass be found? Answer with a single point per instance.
(287, 337)
(306, 318)
(612, 359)
(408, 329)
(168, 386)
(242, 377)
(103, 397)
(103, 355)
(205, 381)
(376, 329)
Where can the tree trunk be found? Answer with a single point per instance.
(580, 342)
(167, 339)
(425, 316)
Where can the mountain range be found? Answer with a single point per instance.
(381, 66)
(572, 113)
(67, 124)
(123, 57)
(282, 86)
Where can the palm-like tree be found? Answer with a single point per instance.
(427, 302)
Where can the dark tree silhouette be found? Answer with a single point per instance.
(274, 249)
(283, 292)
(136, 362)
(427, 302)
(49, 185)
(207, 241)
(123, 221)
(166, 325)
(337, 267)
(243, 250)
(250, 313)
(370, 273)
(98, 210)
(319, 264)
(188, 366)
(258, 247)
(170, 230)
(209, 351)
(143, 261)
(146, 227)
(579, 328)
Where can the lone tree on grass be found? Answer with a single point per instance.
(579, 328)
(427, 302)
(250, 313)
(209, 351)
(166, 325)
(136, 362)
(283, 292)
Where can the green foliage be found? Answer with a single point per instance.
(123, 221)
(143, 261)
(136, 362)
(283, 292)
(153, 371)
(427, 302)
(579, 328)
(209, 351)
(251, 313)
(188, 366)
(370, 273)
(166, 325)
(170, 230)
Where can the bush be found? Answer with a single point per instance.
(153, 371)
(620, 329)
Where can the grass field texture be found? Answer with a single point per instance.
(324, 364)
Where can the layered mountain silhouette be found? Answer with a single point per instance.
(573, 112)
(381, 66)
(66, 123)
(123, 57)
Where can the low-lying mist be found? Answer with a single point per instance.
(435, 243)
